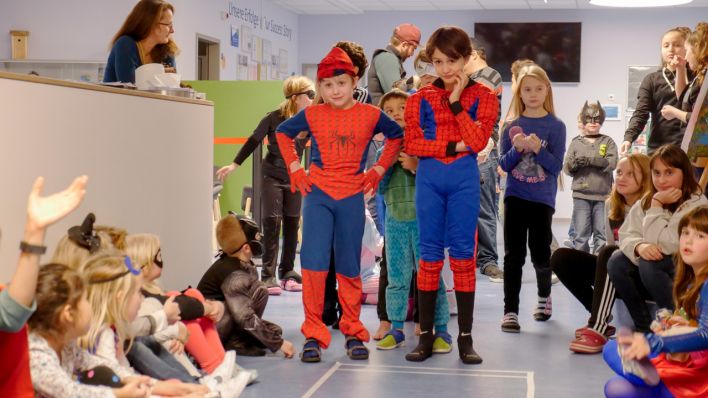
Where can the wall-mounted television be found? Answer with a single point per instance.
(554, 46)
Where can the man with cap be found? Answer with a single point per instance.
(333, 208)
(233, 280)
(385, 71)
(387, 63)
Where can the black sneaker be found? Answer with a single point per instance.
(494, 273)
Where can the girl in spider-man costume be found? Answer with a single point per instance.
(333, 210)
(447, 123)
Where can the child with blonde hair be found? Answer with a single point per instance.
(196, 332)
(113, 292)
(532, 147)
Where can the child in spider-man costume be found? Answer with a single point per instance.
(333, 209)
(447, 123)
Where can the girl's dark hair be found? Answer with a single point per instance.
(673, 156)
(356, 53)
(688, 285)
(451, 41)
(395, 93)
(144, 16)
(57, 286)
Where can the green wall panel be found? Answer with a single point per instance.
(238, 107)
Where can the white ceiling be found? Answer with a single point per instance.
(361, 6)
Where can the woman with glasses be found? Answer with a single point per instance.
(279, 204)
(144, 38)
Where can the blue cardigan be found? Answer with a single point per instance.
(124, 59)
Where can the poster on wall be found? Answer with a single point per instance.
(640, 144)
(283, 61)
(258, 49)
(242, 67)
(635, 75)
(246, 40)
(267, 51)
(234, 36)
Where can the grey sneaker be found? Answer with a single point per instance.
(494, 273)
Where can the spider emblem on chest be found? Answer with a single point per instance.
(342, 142)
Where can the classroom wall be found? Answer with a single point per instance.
(611, 41)
(238, 108)
(82, 29)
(149, 172)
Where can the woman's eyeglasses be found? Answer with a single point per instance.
(310, 94)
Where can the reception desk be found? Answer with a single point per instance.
(149, 159)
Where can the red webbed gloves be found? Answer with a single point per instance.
(372, 179)
(300, 181)
(298, 178)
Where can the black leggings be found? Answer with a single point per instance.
(280, 207)
(635, 283)
(526, 221)
(585, 276)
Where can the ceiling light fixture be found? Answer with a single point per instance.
(638, 3)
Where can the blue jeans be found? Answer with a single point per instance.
(150, 358)
(589, 219)
(488, 213)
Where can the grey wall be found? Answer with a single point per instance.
(611, 41)
(149, 163)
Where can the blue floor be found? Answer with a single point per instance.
(534, 363)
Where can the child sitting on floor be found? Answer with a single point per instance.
(63, 315)
(196, 332)
(233, 280)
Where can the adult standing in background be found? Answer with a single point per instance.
(657, 90)
(281, 206)
(144, 38)
(387, 63)
(487, 160)
(386, 69)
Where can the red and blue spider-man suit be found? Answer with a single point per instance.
(333, 213)
(447, 190)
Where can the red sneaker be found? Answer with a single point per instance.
(589, 342)
(609, 332)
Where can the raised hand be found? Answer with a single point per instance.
(45, 211)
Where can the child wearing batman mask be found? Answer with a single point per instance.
(590, 160)
(233, 279)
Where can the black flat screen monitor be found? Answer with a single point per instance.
(554, 46)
